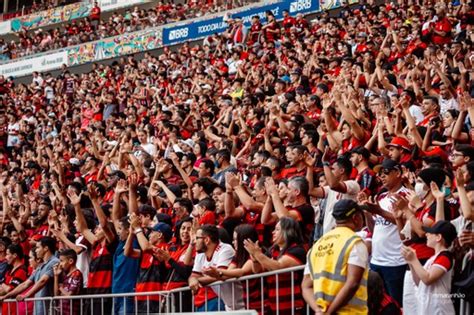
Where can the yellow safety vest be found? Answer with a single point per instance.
(328, 266)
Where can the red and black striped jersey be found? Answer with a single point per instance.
(100, 268)
(286, 286)
(152, 274)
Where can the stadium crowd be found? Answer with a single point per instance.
(233, 157)
(95, 28)
(34, 6)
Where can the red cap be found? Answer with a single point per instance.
(400, 143)
(436, 151)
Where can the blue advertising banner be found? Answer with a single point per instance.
(200, 29)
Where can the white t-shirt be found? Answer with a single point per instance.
(386, 241)
(415, 111)
(13, 130)
(332, 197)
(447, 104)
(435, 298)
(150, 148)
(222, 257)
(83, 259)
(38, 80)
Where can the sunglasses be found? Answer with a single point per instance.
(386, 171)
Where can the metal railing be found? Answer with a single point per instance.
(465, 306)
(179, 300)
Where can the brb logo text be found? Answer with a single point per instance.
(179, 33)
(300, 5)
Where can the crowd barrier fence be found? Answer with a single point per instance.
(172, 301)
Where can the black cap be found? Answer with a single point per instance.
(445, 228)
(362, 151)
(344, 209)
(32, 164)
(118, 173)
(388, 164)
(433, 174)
(297, 71)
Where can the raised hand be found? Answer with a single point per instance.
(57, 269)
(93, 191)
(413, 200)
(251, 247)
(408, 253)
(74, 198)
(438, 194)
(309, 159)
(134, 221)
(460, 178)
(327, 155)
(270, 186)
(133, 181)
(232, 180)
(121, 186)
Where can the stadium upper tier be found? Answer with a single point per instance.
(28, 41)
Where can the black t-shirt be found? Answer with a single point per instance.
(306, 219)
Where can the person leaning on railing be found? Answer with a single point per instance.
(42, 278)
(336, 273)
(16, 274)
(67, 281)
(284, 295)
(242, 265)
(179, 260)
(211, 253)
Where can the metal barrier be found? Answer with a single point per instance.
(465, 307)
(180, 300)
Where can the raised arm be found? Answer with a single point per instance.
(132, 194)
(145, 245)
(81, 220)
(231, 181)
(104, 223)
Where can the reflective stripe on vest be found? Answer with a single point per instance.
(330, 298)
(328, 266)
(337, 275)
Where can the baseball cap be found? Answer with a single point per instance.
(189, 142)
(445, 228)
(344, 209)
(400, 142)
(433, 174)
(296, 71)
(387, 164)
(74, 161)
(118, 173)
(165, 229)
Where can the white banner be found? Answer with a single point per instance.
(5, 27)
(28, 66)
(107, 5)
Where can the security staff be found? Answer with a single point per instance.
(336, 272)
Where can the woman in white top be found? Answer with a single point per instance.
(434, 278)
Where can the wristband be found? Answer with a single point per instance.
(139, 230)
(326, 164)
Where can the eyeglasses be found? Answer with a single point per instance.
(457, 154)
(385, 171)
